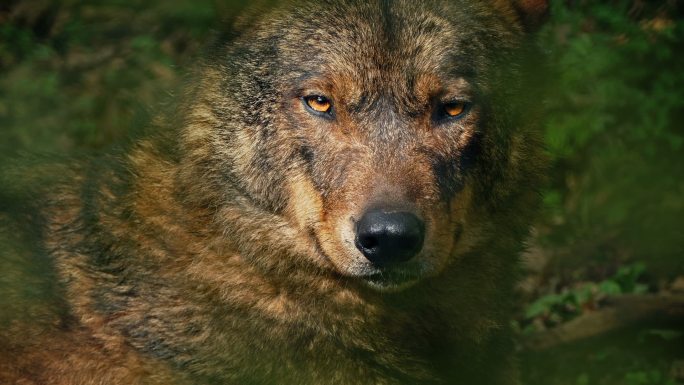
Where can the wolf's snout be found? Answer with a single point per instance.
(389, 237)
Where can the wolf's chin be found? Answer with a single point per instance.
(389, 287)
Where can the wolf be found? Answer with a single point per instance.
(340, 198)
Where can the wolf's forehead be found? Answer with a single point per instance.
(373, 41)
(388, 28)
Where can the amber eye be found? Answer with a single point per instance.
(318, 103)
(455, 109)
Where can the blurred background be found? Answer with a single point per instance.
(604, 275)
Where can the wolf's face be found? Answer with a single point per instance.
(372, 125)
(387, 123)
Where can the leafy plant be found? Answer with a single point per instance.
(553, 309)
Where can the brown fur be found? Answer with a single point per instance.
(219, 252)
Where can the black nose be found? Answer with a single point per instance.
(389, 237)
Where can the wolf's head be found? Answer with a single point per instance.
(390, 135)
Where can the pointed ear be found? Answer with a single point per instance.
(532, 13)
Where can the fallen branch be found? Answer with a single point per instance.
(617, 312)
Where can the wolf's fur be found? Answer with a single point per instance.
(219, 252)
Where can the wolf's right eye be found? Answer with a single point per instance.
(318, 104)
(455, 109)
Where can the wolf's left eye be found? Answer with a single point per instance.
(450, 111)
(319, 104)
(454, 109)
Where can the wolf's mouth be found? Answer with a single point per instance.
(393, 279)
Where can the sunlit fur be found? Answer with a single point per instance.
(221, 250)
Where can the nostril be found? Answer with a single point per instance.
(389, 237)
(368, 241)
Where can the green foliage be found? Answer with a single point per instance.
(614, 132)
(626, 279)
(552, 309)
(80, 76)
(650, 377)
(582, 379)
